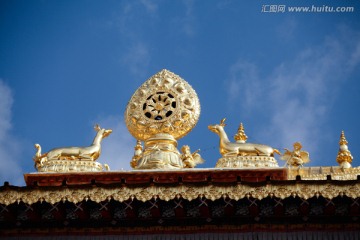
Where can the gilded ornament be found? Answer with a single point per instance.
(242, 154)
(189, 159)
(240, 136)
(164, 99)
(344, 157)
(163, 109)
(186, 191)
(322, 173)
(72, 159)
(137, 154)
(295, 158)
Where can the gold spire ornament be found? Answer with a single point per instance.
(163, 109)
(344, 157)
(73, 159)
(296, 157)
(240, 136)
(240, 154)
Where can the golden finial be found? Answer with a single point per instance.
(344, 157)
(343, 139)
(240, 136)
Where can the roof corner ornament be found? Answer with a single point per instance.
(344, 157)
(163, 109)
(73, 159)
(296, 157)
(240, 154)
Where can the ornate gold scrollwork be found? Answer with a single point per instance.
(187, 191)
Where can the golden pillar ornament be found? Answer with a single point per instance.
(344, 157)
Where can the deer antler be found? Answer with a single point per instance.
(97, 127)
(222, 122)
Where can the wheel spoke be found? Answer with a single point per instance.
(159, 106)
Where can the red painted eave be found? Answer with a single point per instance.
(156, 176)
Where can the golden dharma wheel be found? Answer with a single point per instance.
(165, 103)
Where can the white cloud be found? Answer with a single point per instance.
(6, 101)
(297, 95)
(133, 15)
(137, 58)
(184, 22)
(150, 6)
(10, 169)
(355, 56)
(286, 29)
(188, 21)
(305, 89)
(244, 83)
(132, 19)
(118, 147)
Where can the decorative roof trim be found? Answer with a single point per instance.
(280, 189)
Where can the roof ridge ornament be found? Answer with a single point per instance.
(344, 157)
(73, 159)
(163, 109)
(297, 157)
(240, 154)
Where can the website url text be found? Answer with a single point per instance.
(307, 9)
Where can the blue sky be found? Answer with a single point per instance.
(66, 65)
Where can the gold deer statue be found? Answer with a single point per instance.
(238, 148)
(90, 153)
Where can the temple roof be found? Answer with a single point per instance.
(165, 189)
(168, 185)
(218, 201)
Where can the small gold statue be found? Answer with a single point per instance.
(344, 157)
(72, 158)
(239, 148)
(189, 159)
(241, 154)
(295, 158)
